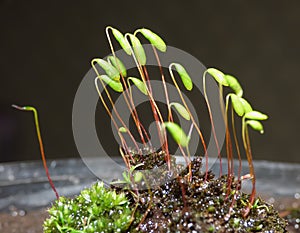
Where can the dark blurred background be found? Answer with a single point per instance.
(46, 48)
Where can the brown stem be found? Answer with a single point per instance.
(251, 167)
(193, 121)
(170, 116)
(212, 122)
(157, 115)
(246, 140)
(110, 114)
(179, 180)
(127, 95)
(158, 120)
(230, 161)
(237, 146)
(38, 132)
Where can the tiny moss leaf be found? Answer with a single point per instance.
(154, 39)
(218, 76)
(118, 64)
(186, 79)
(139, 84)
(138, 176)
(181, 110)
(115, 85)
(177, 133)
(122, 130)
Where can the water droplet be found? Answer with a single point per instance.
(22, 213)
(36, 174)
(14, 213)
(11, 177)
(281, 206)
(190, 225)
(295, 205)
(53, 164)
(271, 200)
(74, 180)
(297, 196)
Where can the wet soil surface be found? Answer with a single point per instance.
(196, 201)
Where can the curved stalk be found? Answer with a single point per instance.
(251, 167)
(236, 146)
(212, 122)
(143, 72)
(156, 112)
(110, 114)
(228, 146)
(164, 84)
(138, 124)
(168, 102)
(239, 159)
(170, 116)
(38, 132)
(246, 141)
(126, 161)
(159, 120)
(192, 118)
(112, 103)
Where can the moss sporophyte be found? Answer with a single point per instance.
(191, 200)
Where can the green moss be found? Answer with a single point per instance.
(96, 209)
(211, 228)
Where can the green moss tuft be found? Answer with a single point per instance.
(96, 209)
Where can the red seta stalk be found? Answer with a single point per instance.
(36, 120)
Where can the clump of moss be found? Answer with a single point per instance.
(199, 205)
(96, 209)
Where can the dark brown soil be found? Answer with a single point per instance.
(193, 201)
